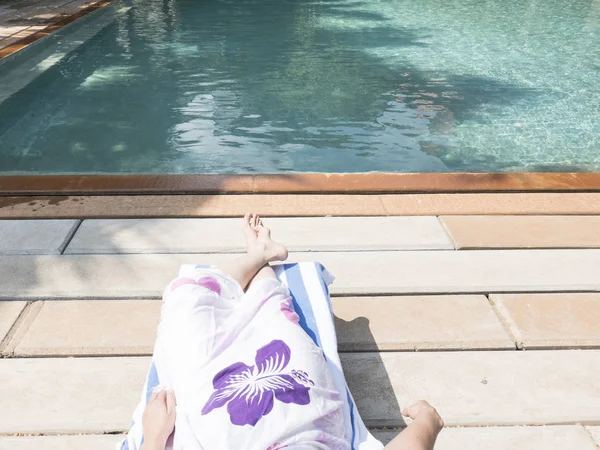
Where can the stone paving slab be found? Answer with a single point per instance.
(295, 205)
(224, 235)
(128, 327)
(76, 442)
(477, 438)
(9, 312)
(103, 327)
(478, 388)
(552, 320)
(524, 231)
(5, 42)
(31, 237)
(358, 273)
(16, 37)
(457, 322)
(563, 437)
(495, 204)
(69, 395)
(79, 395)
(8, 31)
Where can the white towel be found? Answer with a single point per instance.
(308, 284)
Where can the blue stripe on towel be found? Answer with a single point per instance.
(324, 286)
(301, 302)
(152, 381)
(351, 403)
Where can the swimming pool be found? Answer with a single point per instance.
(271, 86)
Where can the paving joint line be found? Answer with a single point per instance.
(147, 354)
(20, 328)
(240, 252)
(361, 352)
(448, 233)
(476, 249)
(370, 428)
(474, 424)
(507, 321)
(501, 425)
(157, 296)
(457, 293)
(58, 433)
(70, 235)
(63, 298)
(13, 328)
(442, 350)
(589, 433)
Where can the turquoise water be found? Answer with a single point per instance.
(271, 86)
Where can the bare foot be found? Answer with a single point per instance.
(249, 232)
(258, 240)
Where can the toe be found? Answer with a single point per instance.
(249, 231)
(264, 232)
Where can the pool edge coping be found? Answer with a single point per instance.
(302, 183)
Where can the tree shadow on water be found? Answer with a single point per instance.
(242, 87)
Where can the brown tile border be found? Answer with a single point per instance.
(60, 23)
(298, 205)
(24, 185)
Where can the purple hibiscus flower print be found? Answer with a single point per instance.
(250, 391)
(277, 446)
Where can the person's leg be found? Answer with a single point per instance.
(261, 250)
(266, 271)
(244, 268)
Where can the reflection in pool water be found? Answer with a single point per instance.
(251, 86)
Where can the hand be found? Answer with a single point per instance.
(159, 420)
(425, 413)
(422, 432)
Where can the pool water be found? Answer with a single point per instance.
(272, 86)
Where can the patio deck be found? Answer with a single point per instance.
(485, 304)
(487, 308)
(23, 22)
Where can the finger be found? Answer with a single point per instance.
(162, 397)
(412, 410)
(170, 402)
(153, 397)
